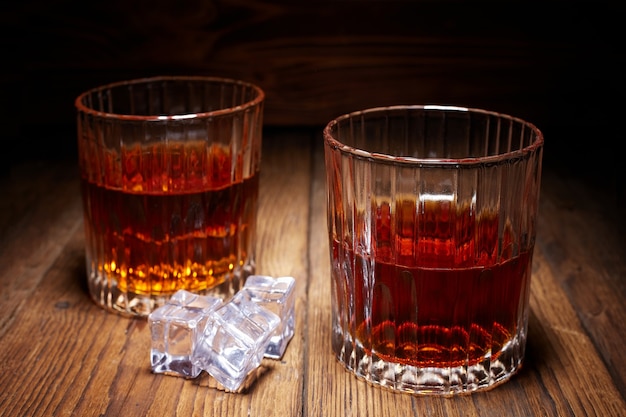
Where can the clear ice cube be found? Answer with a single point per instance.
(234, 341)
(175, 328)
(278, 296)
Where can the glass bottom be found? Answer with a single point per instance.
(494, 369)
(104, 290)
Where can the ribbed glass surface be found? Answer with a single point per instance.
(432, 222)
(170, 169)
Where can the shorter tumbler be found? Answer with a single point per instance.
(170, 175)
(432, 215)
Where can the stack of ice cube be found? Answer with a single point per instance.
(191, 333)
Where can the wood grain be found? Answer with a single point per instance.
(63, 355)
(544, 61)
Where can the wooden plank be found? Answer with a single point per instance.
(60, 344)
(40, 208)
(558, 352)
(73, 358)
(583, 244)
(63, 355)
(561, 352)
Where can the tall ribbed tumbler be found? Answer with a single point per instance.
(432, 215)
(170, 175)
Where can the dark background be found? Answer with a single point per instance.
(558, 64)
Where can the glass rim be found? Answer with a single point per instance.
(83, 108)
(331, 141)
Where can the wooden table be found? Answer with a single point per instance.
(62, 355)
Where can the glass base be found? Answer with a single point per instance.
(450, 381)
(105, 292)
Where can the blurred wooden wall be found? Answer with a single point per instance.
(556, 63)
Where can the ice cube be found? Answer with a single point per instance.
(174, 329)
(278, 296)
(234, 341)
